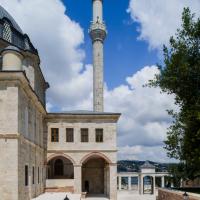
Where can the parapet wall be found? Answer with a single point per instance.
(164, 194)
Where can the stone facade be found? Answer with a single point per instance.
(22, 137)
(79, 153)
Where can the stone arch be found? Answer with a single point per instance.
(95, 154)
(95, 174)
(60, 167)
(61, 155)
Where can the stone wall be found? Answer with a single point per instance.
(8, 141)
(8, 169)
(8, 108)
(32, 156)
(109, 134)
(79, 153)
(191, 183)
(21, 142)
(31, 147)
(164, 194)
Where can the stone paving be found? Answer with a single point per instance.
(126, 195)
(58, 196)
(123, 195)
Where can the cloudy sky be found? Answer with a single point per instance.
(137, 29)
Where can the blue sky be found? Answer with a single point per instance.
(59, 30)
(124, 53)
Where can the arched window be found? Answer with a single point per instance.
(58, 167)
(7, 32)
(27, 46)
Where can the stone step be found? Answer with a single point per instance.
(60, 189)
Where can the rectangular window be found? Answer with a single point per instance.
(38, 175)
(99, 135)
(33, 174)
(26, 175)
(54, 135)
(84, 135)
(69, 135)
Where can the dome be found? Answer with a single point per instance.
(147, 165)
(11, 33)
(5, 14)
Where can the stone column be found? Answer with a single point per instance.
(138, 184)
(163, 181)
(113, 181)
(78, 179)
(129, 183)
(106, 180)
(120, 182)
(141, 185)
(154, 185)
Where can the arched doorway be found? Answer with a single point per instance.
(95, 176)
(60, 168)
(148, 187)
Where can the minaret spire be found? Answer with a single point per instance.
(98, 34)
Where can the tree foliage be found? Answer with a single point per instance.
(180, 76)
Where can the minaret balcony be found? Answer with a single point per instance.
(97, 31)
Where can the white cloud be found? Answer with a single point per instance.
(144, 120)
(159, 19)
(58, 39)
(154, 153)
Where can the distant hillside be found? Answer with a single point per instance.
(134, 166)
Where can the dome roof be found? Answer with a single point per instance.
(147, 165)
(5, 14)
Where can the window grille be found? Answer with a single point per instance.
(7, 32)
(54, 135)
(84, 135)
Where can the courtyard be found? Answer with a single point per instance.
(122, 195)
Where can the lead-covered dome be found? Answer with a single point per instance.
(11, 33)
(5, 15)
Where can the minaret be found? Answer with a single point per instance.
(98, 34)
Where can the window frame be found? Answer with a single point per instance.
(99, 138)
(54, 135)
(33, 175)
(69, 138)
(26, 177)
(38, 175)
(84, 136)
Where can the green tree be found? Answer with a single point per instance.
(180, 75)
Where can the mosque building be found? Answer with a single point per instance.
(72, 151)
